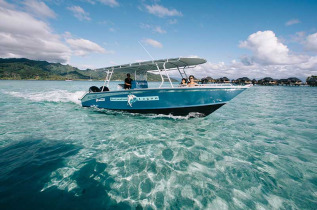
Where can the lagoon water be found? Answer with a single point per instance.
(257, 152)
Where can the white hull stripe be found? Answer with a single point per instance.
(147, 98)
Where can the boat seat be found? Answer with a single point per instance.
(120, 86)
(105, 88)
(93, 89)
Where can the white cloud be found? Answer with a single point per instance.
(264, 46)
(298, 37)
(112, 30)
(292, 22)
(39, 9)
(267, 49)
(67, 35)
(310, 64)
(158, 29)
(274, 59)
(21, 35)
(79, 13)
(161, 11)
(215, 70)
(90, 1)
(153, 43)
(236, 69)
(173, 21)
(311, 42)
(106, 22)
(146, 26)
(4, 4)
(83, 66)
(111, 3)
(83, 47)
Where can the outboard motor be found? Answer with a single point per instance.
(105, 88)
(94, 89)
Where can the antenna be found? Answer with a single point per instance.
(146, 50)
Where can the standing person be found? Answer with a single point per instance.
(127, 82)
(191, 82)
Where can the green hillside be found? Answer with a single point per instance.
(25, 69)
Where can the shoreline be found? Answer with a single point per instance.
(82, 80)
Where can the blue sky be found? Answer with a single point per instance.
(238, 38)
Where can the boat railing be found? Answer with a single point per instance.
(215, 84)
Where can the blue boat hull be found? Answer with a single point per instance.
(175, 101)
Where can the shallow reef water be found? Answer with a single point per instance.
(259, 151)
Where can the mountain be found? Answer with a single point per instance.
(25, 69)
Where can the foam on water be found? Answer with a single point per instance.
(49, 96)
(151, 116)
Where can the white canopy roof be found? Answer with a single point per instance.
(170, 64)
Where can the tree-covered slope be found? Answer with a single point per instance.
(25, 69)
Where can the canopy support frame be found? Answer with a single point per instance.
(108, 77)
(156, 65)
(159, 70)
(162, 77)
(169, 79)
(182, 73)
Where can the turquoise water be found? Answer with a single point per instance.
(257, 152)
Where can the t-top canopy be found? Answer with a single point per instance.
(170, 64)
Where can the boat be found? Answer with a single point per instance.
(168, 98)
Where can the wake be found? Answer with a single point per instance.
(49, 96)
(65, 96)
(151, 116)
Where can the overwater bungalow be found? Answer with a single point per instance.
(223, 80)
(267, 81)
(283, 82)
(311, 81)
(292, 81)
(207, 80)
(243, 80)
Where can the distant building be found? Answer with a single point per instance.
(311, 81)
(283, 82)
(207, 80)
(242, 81)
(290, 81)
(267, 81)
(223, 80)
(294, 81)
(210, 79)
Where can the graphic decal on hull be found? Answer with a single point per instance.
(100, 99)
(132, 99)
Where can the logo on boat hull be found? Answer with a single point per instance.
(131, 99)
(100, 99)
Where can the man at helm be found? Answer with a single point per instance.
(127, 82)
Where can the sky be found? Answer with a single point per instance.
(275, 38)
